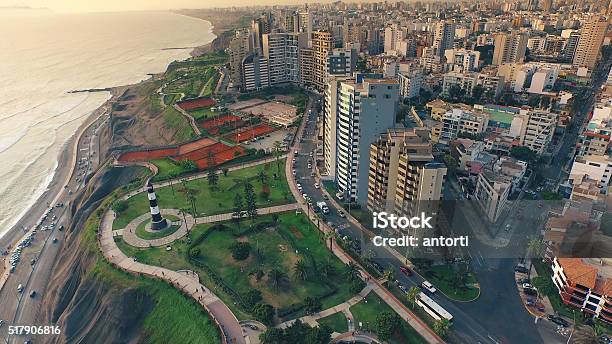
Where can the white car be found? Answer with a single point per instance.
(428, 286)
(316, 185)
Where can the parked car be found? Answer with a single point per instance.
(406, 270)
(558, 320)
(403, 288)
(527, 286)
(530, 291)
(33, 293)
(521, 268)
(428, 286)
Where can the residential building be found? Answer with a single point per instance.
(509, 47)
(239, 47)
(364, 108)
(596, 167)
(255, 73)
(459, 121)
(462, 60)
(444, 36)
(585, 283)
(410, 82)
(282, 51)
(321, 46)
(591, 38)
(534, 128)
(341, 62)
(307, 67)
(492, 191)
(411, 149)
(466, 82)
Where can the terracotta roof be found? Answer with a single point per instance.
(579, 272)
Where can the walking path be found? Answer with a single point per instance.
(219, 312)
(343, 307)
(428, 334)
(131, 238)
(190, 118)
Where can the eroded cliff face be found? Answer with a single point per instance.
(88, 307)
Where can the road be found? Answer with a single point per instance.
(22, 308)
(482, 321)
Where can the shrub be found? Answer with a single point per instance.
(240, 250)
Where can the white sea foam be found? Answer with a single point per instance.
(46, 55)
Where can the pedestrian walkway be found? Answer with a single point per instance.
(343, 307)
(219, 312)
(130, 237)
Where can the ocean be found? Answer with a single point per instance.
(43, 56)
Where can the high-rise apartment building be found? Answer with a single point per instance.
(410, 82)
(509, 47)
(403, 176)
(322, 44)
(239, 47)
(462, 60)
(357, 111)
(341, 62)
(307, 67)
(444, 37)
(282, 51)
(255, 74)
(591, 38)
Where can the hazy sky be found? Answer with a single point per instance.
(119, 5)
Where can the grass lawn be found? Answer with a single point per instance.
(216, 201)
(168, 168)
(169, 318)
(337, 322)
(279, 247)
(141, 232)
(441, 276)
(366, 312)
(177, 122)
(203, 113)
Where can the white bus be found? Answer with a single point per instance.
(432, 308)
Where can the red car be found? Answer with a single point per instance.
(405, 270)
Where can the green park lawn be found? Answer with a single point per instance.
(213, 201)
(179, 124)
(277, 247)
(203, 113)
(168, 168)
(366, 312)
(441, 276)
(337, 322)
(142, 233)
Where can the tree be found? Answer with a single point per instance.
(318, 335)
(272, 335)
(263, 312)
(300, 270)
(356, 285)
(450, 162)
(213, 178)
(194, 252)
(351, 271)
(389, 275)
(252, 296)
(312, 305)
(225, 171)
(412, 294)
(523, 153)
(460, 277)
(262, 177)
(251, 205)
(535, 246)
(441, 327)
(238, 206)
(386, 324)
(240, 250)
(327, 268)
(277, 154)
(276, 278)
(120, 206)
(188, 165)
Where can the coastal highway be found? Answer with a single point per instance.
(22, 308)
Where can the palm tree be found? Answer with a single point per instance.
(183, 211)
(389, 275)
(331, 236)
(441, 327)
(351, 271)
(412, 294)
(536, 247)
(262, 176)
(276, 278)
(327, 268)
(277, 154)
(300, 270)
(585, 335)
